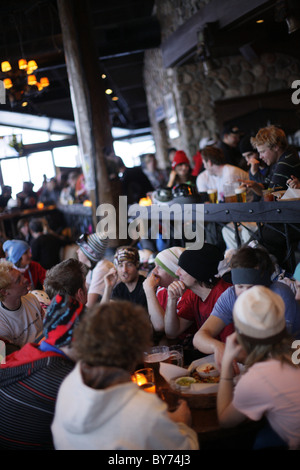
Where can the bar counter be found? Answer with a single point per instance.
(76, 217)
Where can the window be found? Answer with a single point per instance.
(14, 172)
(40, 164)
(66, 156)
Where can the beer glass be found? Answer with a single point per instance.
(212, 196)
(240, 194)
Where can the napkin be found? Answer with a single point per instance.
(291, 193)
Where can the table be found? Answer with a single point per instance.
(205, 423)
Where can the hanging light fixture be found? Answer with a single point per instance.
(22, 64)
(21, 83)
(5, 66)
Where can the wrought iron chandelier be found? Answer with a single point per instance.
(21, 83)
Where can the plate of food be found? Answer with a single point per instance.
(208, 370)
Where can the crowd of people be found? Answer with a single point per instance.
(66, 188)
(76, 330)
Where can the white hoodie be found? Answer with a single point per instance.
(120, 417)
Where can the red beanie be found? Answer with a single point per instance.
(179, 157)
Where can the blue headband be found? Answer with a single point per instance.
(249, 276)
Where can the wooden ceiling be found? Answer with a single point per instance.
(123, 30)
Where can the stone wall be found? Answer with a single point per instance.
(195, 93)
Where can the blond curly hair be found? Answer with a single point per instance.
(6, 268)
(271, 136)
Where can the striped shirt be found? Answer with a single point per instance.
(27, 400)
(287, 165)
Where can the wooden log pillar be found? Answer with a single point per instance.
(88, 97)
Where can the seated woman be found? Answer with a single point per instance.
(249, 267)
(181, 171)
(99, 406)
(269, 388)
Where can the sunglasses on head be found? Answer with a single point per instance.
(83, 238)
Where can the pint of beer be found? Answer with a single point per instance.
(212, 196)
(240, 194)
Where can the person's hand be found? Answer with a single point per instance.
(151, 282)
(293, 182)
(172, 177)
(254, 165)
(257, 188)
(110, 279)
(182, 414)
(232, 350)
(176, 289)
(218, 353)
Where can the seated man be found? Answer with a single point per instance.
(258, 170)
(30, 379)
(110, 343)
(229, 144)
(216, 175)
(126, 270)
(196, 272)
(272, 146)
(157, 283)
(217, 172)
(67, 277)
(249, 266)
(18, 252)
(21, 315)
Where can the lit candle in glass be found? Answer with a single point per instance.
(144, 378)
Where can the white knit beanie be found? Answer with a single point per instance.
(259, 315)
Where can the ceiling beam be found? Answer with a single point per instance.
(40, 123)
(183, 42)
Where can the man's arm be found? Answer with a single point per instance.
(205, 338)
(174, 325)
(155, 310)
(110, 281)
(257, 188)
(228, 415)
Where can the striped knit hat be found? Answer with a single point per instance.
(168, 259)
(93, 246)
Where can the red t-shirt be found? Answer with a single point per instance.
(162, 297)
(192, 308)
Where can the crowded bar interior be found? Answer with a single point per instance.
(150, 226)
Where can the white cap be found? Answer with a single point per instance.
(259, 314)
(205, 141)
